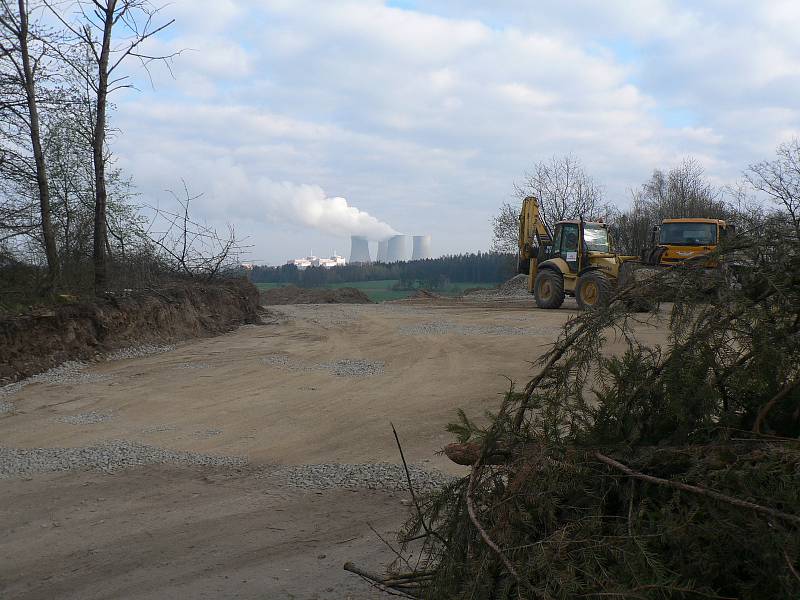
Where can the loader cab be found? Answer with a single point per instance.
(567, 242)
(565, 245)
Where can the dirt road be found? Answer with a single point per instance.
(315, 385)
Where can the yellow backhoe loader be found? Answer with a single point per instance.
(575, 260)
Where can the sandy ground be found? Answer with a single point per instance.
(169, 532)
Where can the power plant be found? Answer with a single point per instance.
(383, 251)
(421, 247)
(397, 250)
(359, 249)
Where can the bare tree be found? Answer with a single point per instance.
(107, 32)
(505, 229)
(24, 56)
(188, 247)
(682, 191)
(779, 179)
(564, 190)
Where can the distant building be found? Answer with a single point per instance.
(314, 261)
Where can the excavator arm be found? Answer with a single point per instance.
(532, 229)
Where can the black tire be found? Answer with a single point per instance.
(594, 289)
(548, 289)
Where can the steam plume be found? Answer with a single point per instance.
(306, 205)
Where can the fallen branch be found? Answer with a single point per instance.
(377, 581)
(468, 453)
(765, 410)
(694, 489)
(485, 536)
(427, 529)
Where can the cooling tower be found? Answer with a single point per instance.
(397, 249)
(359, 249)
(422, 247)
(383, 251)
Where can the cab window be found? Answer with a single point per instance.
(688, 234)
(569, 239)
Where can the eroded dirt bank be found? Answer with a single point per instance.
(32, 343)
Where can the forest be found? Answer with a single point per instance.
(479, 267)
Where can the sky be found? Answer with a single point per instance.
(303, 121)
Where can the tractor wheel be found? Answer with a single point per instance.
(594, 289)
(548, 289)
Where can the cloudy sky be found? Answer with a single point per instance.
(303, 120)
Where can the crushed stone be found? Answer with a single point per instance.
(71, 371)
(68, 373)
(349, 367)
(443, 327)
(139, 351)
(375, 476)
(206, 433)
(158, 429)
(87, 418)
(108, 456)
(193, 366)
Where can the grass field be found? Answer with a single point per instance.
(381, 290)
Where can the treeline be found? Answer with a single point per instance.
(480, 267)
(566, 191)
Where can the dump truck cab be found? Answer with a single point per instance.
(679, 240)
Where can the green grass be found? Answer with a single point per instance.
(381, 290)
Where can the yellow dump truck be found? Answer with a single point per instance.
(680, 240)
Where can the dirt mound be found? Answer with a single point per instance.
(292, 294)
(34, 342)
(516, 287)
(423, 293)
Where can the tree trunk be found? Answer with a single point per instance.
(98, 145)
(48, 236)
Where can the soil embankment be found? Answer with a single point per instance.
(33, 343)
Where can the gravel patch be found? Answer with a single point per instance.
(109, 456)
(6, 407)
(139, 351)
(348, 367)
(206, 433)
(193, 366)
(88, 418)
(68, 373)
(354, 368)
(443, 328)
(158, 429)
(71, 372)
(373, 476)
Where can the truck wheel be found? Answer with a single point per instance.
(548, 289)
(593, 290)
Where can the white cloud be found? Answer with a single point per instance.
(424, 118)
